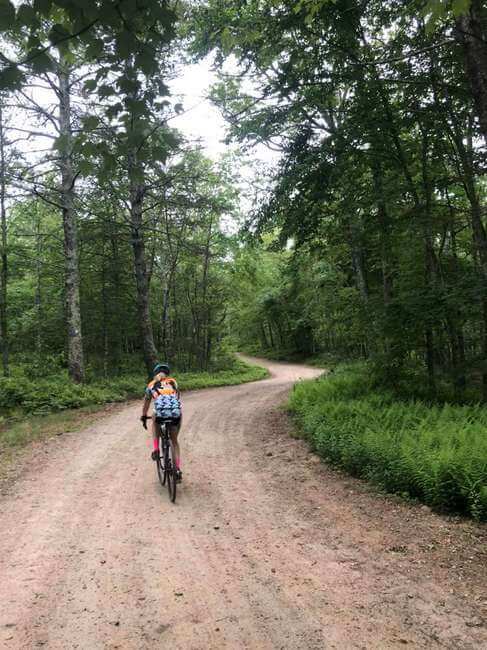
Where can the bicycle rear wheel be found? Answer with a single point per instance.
(170, 473)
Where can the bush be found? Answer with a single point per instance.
(435, 453)
(26, 396)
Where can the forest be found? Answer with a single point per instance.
(365, 243)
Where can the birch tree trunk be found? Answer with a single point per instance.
(137, 192)
(72, 281)
(3, 256)
(38, 294)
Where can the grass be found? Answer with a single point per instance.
(55, 405)
(436, 453)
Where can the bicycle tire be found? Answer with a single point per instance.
(171, 474)
(160, 466)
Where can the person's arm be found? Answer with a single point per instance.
(176, 388)
(145, 405)
(145, 408)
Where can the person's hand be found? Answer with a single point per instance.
(143, 419)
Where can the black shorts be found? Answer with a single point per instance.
(175, 425)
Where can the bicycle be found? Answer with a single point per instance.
(166, 468)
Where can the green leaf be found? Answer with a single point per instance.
(105, 91)
(91, 122)
(85, 166)
(129, 8)
(42, 6)
(26, 16)
(128, 86)
(10, 77)
(61, 143)
(90, 11)
(41, 62)
(90, 149)
(159, 153)
(227, 41)
(7, 15)
(125, 44)
(135, 107)
(90, 85)
(460, 7)
(33, 42)
(109, 16)
(114, 110)
(95, 48)
(146, 62)
(166, 16)
(162, 88)
(58, 33)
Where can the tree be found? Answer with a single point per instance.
(380, 171)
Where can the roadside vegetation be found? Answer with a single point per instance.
(26, 415)
(433, 452)
(122, 244)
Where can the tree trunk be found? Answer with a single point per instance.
(72, 282)
(116, 342)
(3, 256)
(164, 321)
(204, 291)
(470, 34)
(429, 254)
(270, 334)
(38, 294)
(106, 310)
(142, 283)
(384, 229)
(358, 262)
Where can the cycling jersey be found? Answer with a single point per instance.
(165, 386)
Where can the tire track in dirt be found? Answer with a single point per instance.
(264, 548)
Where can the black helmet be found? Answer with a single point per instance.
(161, 367)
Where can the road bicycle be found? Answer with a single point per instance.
(166, 468)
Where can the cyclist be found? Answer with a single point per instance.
(162, 384)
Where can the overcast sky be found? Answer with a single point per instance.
(202, 121)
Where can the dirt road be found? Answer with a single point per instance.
(265, 548)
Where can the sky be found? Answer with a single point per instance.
(203, 123)
(201, 119)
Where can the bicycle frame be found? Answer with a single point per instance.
(166, 469)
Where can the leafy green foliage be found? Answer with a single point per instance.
(25, 397)
(104, 32)
(437, 454)
(373, 115)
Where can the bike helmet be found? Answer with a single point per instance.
(161, 367)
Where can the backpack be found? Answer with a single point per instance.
(167, 407)
(166, 402)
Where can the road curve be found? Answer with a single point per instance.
(265, 547)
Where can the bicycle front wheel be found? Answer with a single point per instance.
(171, 474)
(161, 472)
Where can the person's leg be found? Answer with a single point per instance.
(155, 439)
(174, 431)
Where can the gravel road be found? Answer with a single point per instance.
(266, 547)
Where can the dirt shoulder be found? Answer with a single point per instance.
(265, 547)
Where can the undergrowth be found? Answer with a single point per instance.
(23, 399)
(436, 453)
